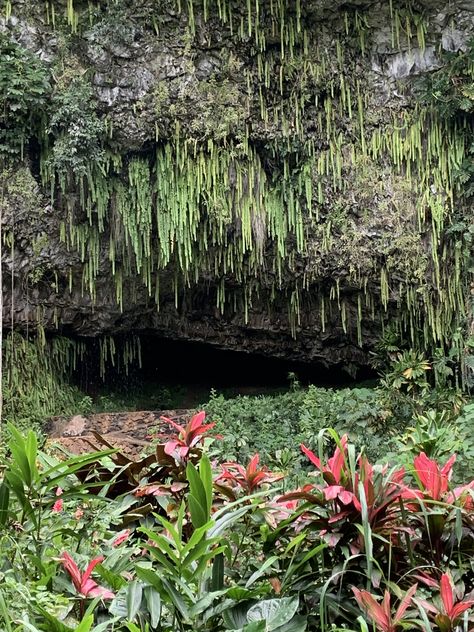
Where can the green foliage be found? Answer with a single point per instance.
(465, 427)
(263, 424)
(409, 373)
(76, 128)
(450, 90)
(308, 560)
(24, 87)
(434, 433)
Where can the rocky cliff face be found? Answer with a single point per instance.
(259, 175)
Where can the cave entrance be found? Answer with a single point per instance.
(177, 374)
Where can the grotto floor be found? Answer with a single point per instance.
(130, 432)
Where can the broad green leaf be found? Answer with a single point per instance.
(153, 602)
(115, 580)
(236, 616)
(163, 544)
(19, 455)
(70, 466)
(205, 471)
(54, 624)
(197, 497)
(204, 603)
(175, 534)
(31, 448)
(227, 520)
(134, 599)
(299, 623)
(367, 529)
(173, 569)
(118, 606)
(86, 624)
(176, 599)
(217, 581)
(202, 566)
(150, 577)
(275, 612)
(196, 537)
(198, 512)
(255, 626)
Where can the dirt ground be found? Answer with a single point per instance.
(131, 432)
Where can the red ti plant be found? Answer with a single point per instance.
(188, 436)
(342, 491)
(447, 618)
(434, 481)
(247, 478)
(437, 515)
(83, 583)
(335, 473)
(381, 613)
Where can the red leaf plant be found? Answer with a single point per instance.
(82, 582)
(452, 605)
(188, 436)
(381, 613)
(434, 481)
(248, 479)
(122, 537)
(341, 496)
(279, 510)
(335, 473)
(436, 517)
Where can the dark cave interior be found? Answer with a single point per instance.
(194, 368)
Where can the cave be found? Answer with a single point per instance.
(191, 370)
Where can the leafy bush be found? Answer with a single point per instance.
(264, 423)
